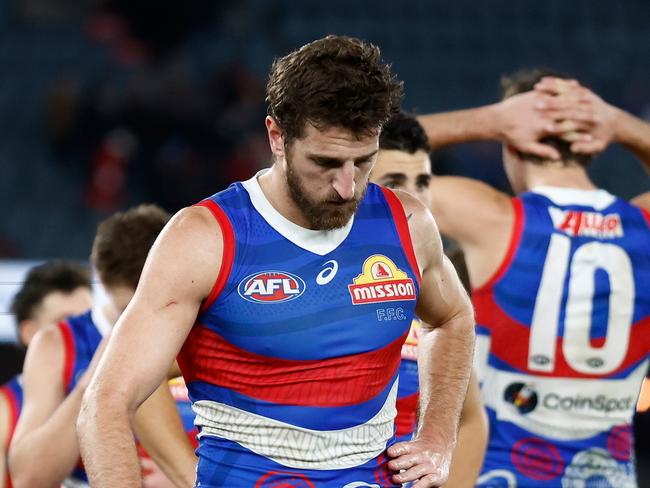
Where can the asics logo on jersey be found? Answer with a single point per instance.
(271, 287)
(381, 281)
(587, 224)
(327, 274)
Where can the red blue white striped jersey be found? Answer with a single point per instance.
(81, 338)
(12, 391)
(566, 328)
(292, 365)
(408, 392)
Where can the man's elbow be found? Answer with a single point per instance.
(98, 404)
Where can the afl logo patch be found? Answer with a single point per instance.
(271, 287)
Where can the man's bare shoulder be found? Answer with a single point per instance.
(192, 221)
(642, 201)
(47, 341)
(45, 359)
(468, 192)
(424, 231)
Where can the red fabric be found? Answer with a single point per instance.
(646, 215)
(13, 420)
(340, 381)
(69, 354)
(228, 254)
(402, 224)
(509, 339)
(406, 408)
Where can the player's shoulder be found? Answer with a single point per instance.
(45, 354)
(477, 192)
(192, 225)
(422, 228)
(47, 340)
(417, 214)
(643, 202)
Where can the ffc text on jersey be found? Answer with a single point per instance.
(381, 281)
(271, 287)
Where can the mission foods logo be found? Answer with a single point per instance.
(381, 281)
(271, 287)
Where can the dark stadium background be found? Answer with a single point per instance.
(108, 103)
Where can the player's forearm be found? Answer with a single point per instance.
(468, 455)
(106, 440)
(634, 134)
(3, 469)
(160, 430)
(56, 444)
(444, 363)
(461, 126)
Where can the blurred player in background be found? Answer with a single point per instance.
(62, 357)
(403, 163)
(561, 283)
(51, 292)
(295, 291)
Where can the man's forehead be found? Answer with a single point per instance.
(331, 138)
(396, 161)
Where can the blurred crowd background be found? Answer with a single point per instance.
(106, 103)
(109, 103)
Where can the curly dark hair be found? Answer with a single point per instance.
(53, 276)
(524, 81)
(403, 132)
(123, 241)
(336, 81)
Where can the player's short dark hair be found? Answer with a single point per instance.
(403, 132)
(524, 81)
(122, 244)
(335, 81)
(41, 280)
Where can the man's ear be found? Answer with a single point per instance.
(276, 136)
(27, 329)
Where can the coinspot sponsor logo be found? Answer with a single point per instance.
(598, 403)
(271, 287)
(522, 396)
(526, 399)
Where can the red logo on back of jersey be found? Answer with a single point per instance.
(271, 287)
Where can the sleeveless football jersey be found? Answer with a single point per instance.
(408, 391)
(566, 327)
(292, 365)
(81, 338)
(13, 394)
(184, 405)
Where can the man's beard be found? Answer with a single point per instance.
(329, 213)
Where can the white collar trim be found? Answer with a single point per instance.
(598, 199)
(319, 242)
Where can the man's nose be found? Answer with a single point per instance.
(344, 181)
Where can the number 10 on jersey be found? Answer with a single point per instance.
(580, 270)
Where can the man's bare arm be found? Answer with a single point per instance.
(472, 440)
(160, 430)
(47, 421)
(444, 357)
(179, 273)
(516, 121)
